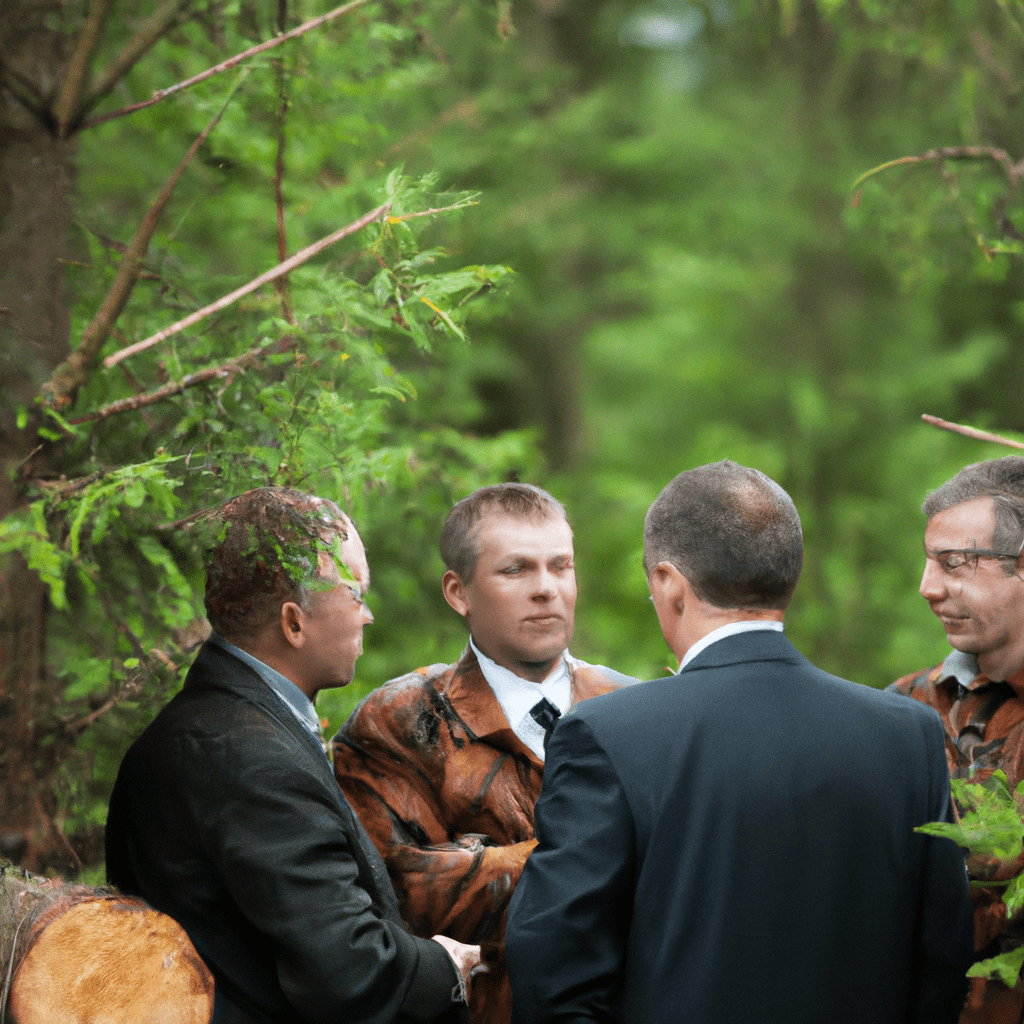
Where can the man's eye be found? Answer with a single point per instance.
(954, 560)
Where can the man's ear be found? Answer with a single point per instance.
(454, 592)
(293, 621)
(669, 588)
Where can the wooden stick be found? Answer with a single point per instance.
(271, 275)
(68, 379)
(978, 435)
(229, 63)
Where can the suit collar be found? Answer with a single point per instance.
(729, 629)
(760, 645)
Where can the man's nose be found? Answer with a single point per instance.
(367, 616)
(933, 584)
(547, 584)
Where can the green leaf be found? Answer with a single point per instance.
(990, 823)
(1005, 967)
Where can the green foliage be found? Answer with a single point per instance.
(991, 830)
(990, 820)
(328, 384)
(1004, 967)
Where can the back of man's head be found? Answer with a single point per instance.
(519, 501)
(1002, 480)
(732, 532)
(266, 551)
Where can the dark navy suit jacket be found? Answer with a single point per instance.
(226, 816)
(735, 845)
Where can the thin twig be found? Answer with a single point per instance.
(435, 209)
(61, 489)
(176, 387)
(69, 377)
(283, 290)
(78, 67)
(58, 833)
(978, 435)
(1013, 171)
(271, 275)
(129, 691)
(10, 969)
(161, 94)
(152, 30)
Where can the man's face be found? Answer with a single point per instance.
(521, 602)
(335, 618)
(979, 605)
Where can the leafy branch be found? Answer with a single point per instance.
(991, 830)
(257, 282)
(222, 371)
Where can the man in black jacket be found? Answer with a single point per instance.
(735, 844)
(226, 816)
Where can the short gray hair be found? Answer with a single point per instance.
(1002, 480)
(733, 532)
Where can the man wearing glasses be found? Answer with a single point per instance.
(973, 582)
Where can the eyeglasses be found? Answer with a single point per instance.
(962, 561)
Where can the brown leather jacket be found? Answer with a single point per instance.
(984, 723)
(446, 791)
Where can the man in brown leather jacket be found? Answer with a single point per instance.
(973, 581)
(444, 765)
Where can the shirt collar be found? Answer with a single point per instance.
(294, 699)
(729, 629)
(963, 667)
(517, 695)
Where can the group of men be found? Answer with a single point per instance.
(524, 837)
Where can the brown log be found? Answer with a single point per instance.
(73, 954)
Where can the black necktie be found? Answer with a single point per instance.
(545, 714)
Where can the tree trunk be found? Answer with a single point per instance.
(36, 180)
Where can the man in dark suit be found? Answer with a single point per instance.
(736, 843)
(226, 815)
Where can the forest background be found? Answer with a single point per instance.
(586, 245)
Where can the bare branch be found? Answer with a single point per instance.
(231, 62)
(129, 691)
(152, 30)
(271, 275)
(78, 69)
(461, 205)
(1014, 172)
(176, 387)
(69, 377)
(62, 488)
(978, 435)
(24, 90)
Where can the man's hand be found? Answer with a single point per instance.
(466, 958)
